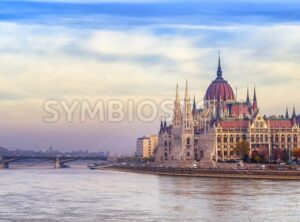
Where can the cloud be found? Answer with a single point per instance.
(38, 62)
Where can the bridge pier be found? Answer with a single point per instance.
(4, 165)
(58, 164)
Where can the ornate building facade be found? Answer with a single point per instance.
(210, 133)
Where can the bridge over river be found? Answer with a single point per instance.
(58, 161)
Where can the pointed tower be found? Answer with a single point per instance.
(294, 116)
(248, 98)
(194, 106)
(187, 109)
(287, 116)
(177, 110)
(187, 146)
(219, 71)
(294, 112)
(161, 126)
(165, 124)
(176, 131)
(254, 106)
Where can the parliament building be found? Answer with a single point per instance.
(210, 133)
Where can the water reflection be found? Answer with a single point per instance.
(233, 199)
(84, 195)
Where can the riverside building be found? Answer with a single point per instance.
(210, 133)
(145, 146)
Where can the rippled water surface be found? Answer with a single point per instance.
(85, 195)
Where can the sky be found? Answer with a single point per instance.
(76, 50)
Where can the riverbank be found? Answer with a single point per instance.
(214, 173)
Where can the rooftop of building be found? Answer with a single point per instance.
(146, 137)
(219, 89)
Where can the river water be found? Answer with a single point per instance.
(86, 195)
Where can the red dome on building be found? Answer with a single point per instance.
(219, 88)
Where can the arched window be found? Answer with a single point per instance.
(237, 138)
(225, 139)
(282, 138)
(244, 137)
(166, 143)
(295, 139)
(231, 139)
(252, 138)
(276, 138)
(188, 141)
(261, 138)
(289, 138)
(257, 138)
(219, 139)
(266, 138)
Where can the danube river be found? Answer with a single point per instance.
(85, 195)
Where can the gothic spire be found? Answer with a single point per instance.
(177, 109)
(294, 116)
(255, 107)
(177, 95)
(287, 113)
(187, 110)
(219, 72)
(186, 96)
(294, 112)
(194, 106)
(248, 98)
